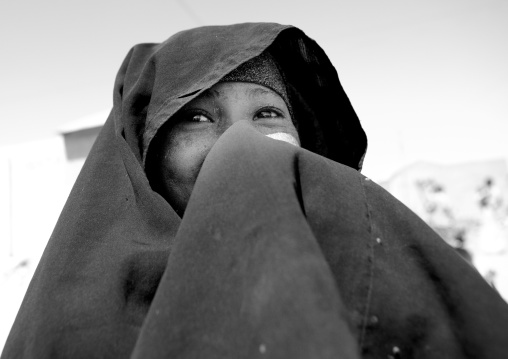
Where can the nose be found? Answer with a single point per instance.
(233, 119)
(269, 132)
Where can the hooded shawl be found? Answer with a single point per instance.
(283, 252)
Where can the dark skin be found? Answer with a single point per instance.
(200, 123)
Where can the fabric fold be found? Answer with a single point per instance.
(246, 277)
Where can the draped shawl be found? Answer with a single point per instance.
(283, 252)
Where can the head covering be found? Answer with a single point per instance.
(172, 78)
(261, 70)
(283, 252)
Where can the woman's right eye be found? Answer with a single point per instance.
(199, 118)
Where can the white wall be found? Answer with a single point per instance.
(35, 180)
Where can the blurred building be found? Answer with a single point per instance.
(467, 204)
(35, 181)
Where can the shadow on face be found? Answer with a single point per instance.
(182, 144)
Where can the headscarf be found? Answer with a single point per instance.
(283, 252)
(261, 70)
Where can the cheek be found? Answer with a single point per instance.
(185, 155)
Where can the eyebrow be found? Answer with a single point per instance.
(261, 91)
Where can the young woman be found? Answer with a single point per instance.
(222, 214)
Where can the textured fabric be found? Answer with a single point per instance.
(283, 252)
(260, 70)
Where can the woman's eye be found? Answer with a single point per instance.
(268, 114)
(199, 118)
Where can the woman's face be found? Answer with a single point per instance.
(200, 123)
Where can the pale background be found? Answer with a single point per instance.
(428, 79)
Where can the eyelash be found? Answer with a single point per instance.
(277, 112)
(191, 114)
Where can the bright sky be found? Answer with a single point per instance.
(428, 79)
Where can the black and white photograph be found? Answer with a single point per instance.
(254, 179)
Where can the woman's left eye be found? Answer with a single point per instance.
(268, 114)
